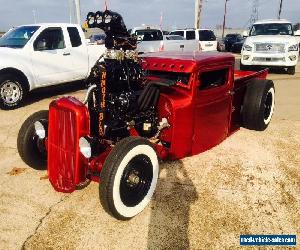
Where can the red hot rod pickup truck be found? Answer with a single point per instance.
(137, 111)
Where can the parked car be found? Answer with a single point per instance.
(136, 113)
(189, 104)
(151, 39)
(237, 47)
(230, 39)
(297, 35)
(39, 55)
(207, 39)
(272, 44)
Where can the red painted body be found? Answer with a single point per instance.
(199, 119)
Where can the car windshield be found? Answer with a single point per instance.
(170, 78)
(173, 37)
(178, 33)
(231, 35)
(272, 29)
(18, 37)
(206, 35)
(99, 37)
(149, 35)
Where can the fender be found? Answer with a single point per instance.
(17, 62)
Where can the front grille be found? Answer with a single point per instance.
(68, 121)
(62, 148)
(268, 59)
(270, 47)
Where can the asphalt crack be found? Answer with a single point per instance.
(42, 220)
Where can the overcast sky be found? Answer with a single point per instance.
(176, 13)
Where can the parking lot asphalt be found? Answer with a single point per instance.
(249, 184)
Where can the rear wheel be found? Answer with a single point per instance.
(12, 92)
(31, 148)
(128, 178)
(259, 103)
(291, 70)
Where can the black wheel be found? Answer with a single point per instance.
(12, 92)
(291, 70)
(30, 147)
(259, 103)
(128, 178)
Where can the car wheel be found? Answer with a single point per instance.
(31, 148)
(258, 106)
(291, 70)
(128, 178)
(12, 92)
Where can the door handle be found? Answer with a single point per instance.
(66, 54)
(182, 46)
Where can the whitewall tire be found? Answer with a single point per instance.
(129, 177)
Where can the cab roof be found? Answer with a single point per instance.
(183, 61)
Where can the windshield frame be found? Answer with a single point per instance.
(269, 24)
(18, 42)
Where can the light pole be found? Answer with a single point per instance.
(34, 15)
(198, 10)
(77, 7)
(71, 10)
(280, 9)
(224, 20)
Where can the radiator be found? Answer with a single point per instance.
(68, 121)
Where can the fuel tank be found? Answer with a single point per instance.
(68, 122)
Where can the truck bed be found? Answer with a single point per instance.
(242, 76)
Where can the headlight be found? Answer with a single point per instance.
(85, 147)
(40, 130)
(247, 47)
(294, 48)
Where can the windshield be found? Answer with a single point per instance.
(206, 35)
(170, 78)
(171, 37)
(18, 37)
(149, 35)
(272, 29)
(178, 33)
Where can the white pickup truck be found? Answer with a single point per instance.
(207, 39)
(151, 39)
(39, 55)
(271, 43)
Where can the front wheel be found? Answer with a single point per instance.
(12, 92)
(128, 178)
(291, 70)
(31, 148)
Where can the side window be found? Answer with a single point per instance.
(74, 36)
(178, 33)
(213, 79)
(50, 39)
(190, 35)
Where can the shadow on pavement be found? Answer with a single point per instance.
(170, 214)
(53, 91)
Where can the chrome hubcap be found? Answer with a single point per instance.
(10, 92)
